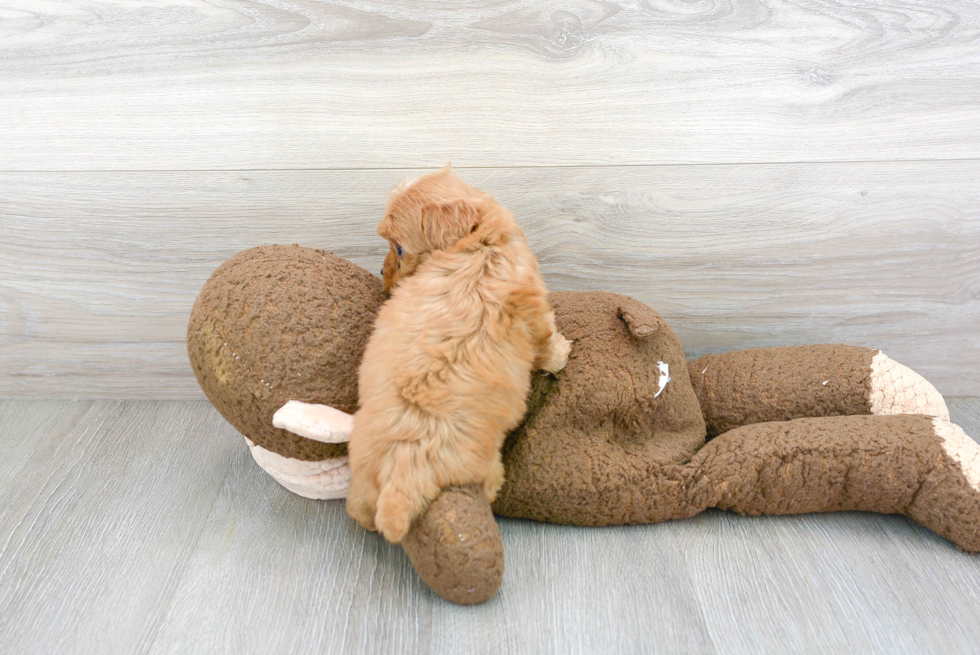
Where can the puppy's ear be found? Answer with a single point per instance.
(446, 222)
(386, 229)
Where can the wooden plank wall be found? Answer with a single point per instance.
(762, 173)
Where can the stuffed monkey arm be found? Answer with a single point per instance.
(777, 384)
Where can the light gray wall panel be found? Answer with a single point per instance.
(98, 271)
(205, 84)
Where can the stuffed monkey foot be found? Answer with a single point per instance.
(948, 502)
(897, 389)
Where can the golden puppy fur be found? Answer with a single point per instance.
(447, 370)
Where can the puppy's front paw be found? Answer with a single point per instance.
(558, 354)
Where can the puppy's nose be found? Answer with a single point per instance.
(382, 273)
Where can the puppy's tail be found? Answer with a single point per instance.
(405, 494)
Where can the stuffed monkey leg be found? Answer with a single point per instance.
(778, 384)
(923, 467)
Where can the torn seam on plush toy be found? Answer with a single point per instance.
(664, 378)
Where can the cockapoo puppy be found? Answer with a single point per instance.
(446, 372)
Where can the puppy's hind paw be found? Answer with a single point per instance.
(493, 481)
(362, 513)
(394, 516)
(559, 348)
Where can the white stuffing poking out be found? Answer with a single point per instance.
(664, 377)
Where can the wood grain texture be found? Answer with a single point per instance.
(216, 84)
(273, 572)
(96, 526)
(144, 527)
(321, 584)
(622, 589)
(828, 583)
(25, 426)
(98, 271)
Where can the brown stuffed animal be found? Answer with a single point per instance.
(629, 432)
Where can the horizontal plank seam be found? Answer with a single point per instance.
(476, 168)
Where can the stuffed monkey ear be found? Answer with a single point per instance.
(640, 319)
(445, 223)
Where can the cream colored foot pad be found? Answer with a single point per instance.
(327, 479)
(897, 389)
(961, 448)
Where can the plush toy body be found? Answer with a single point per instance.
(629, 432)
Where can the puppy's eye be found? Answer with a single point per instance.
(398, 249)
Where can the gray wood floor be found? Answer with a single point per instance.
(144, 527)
